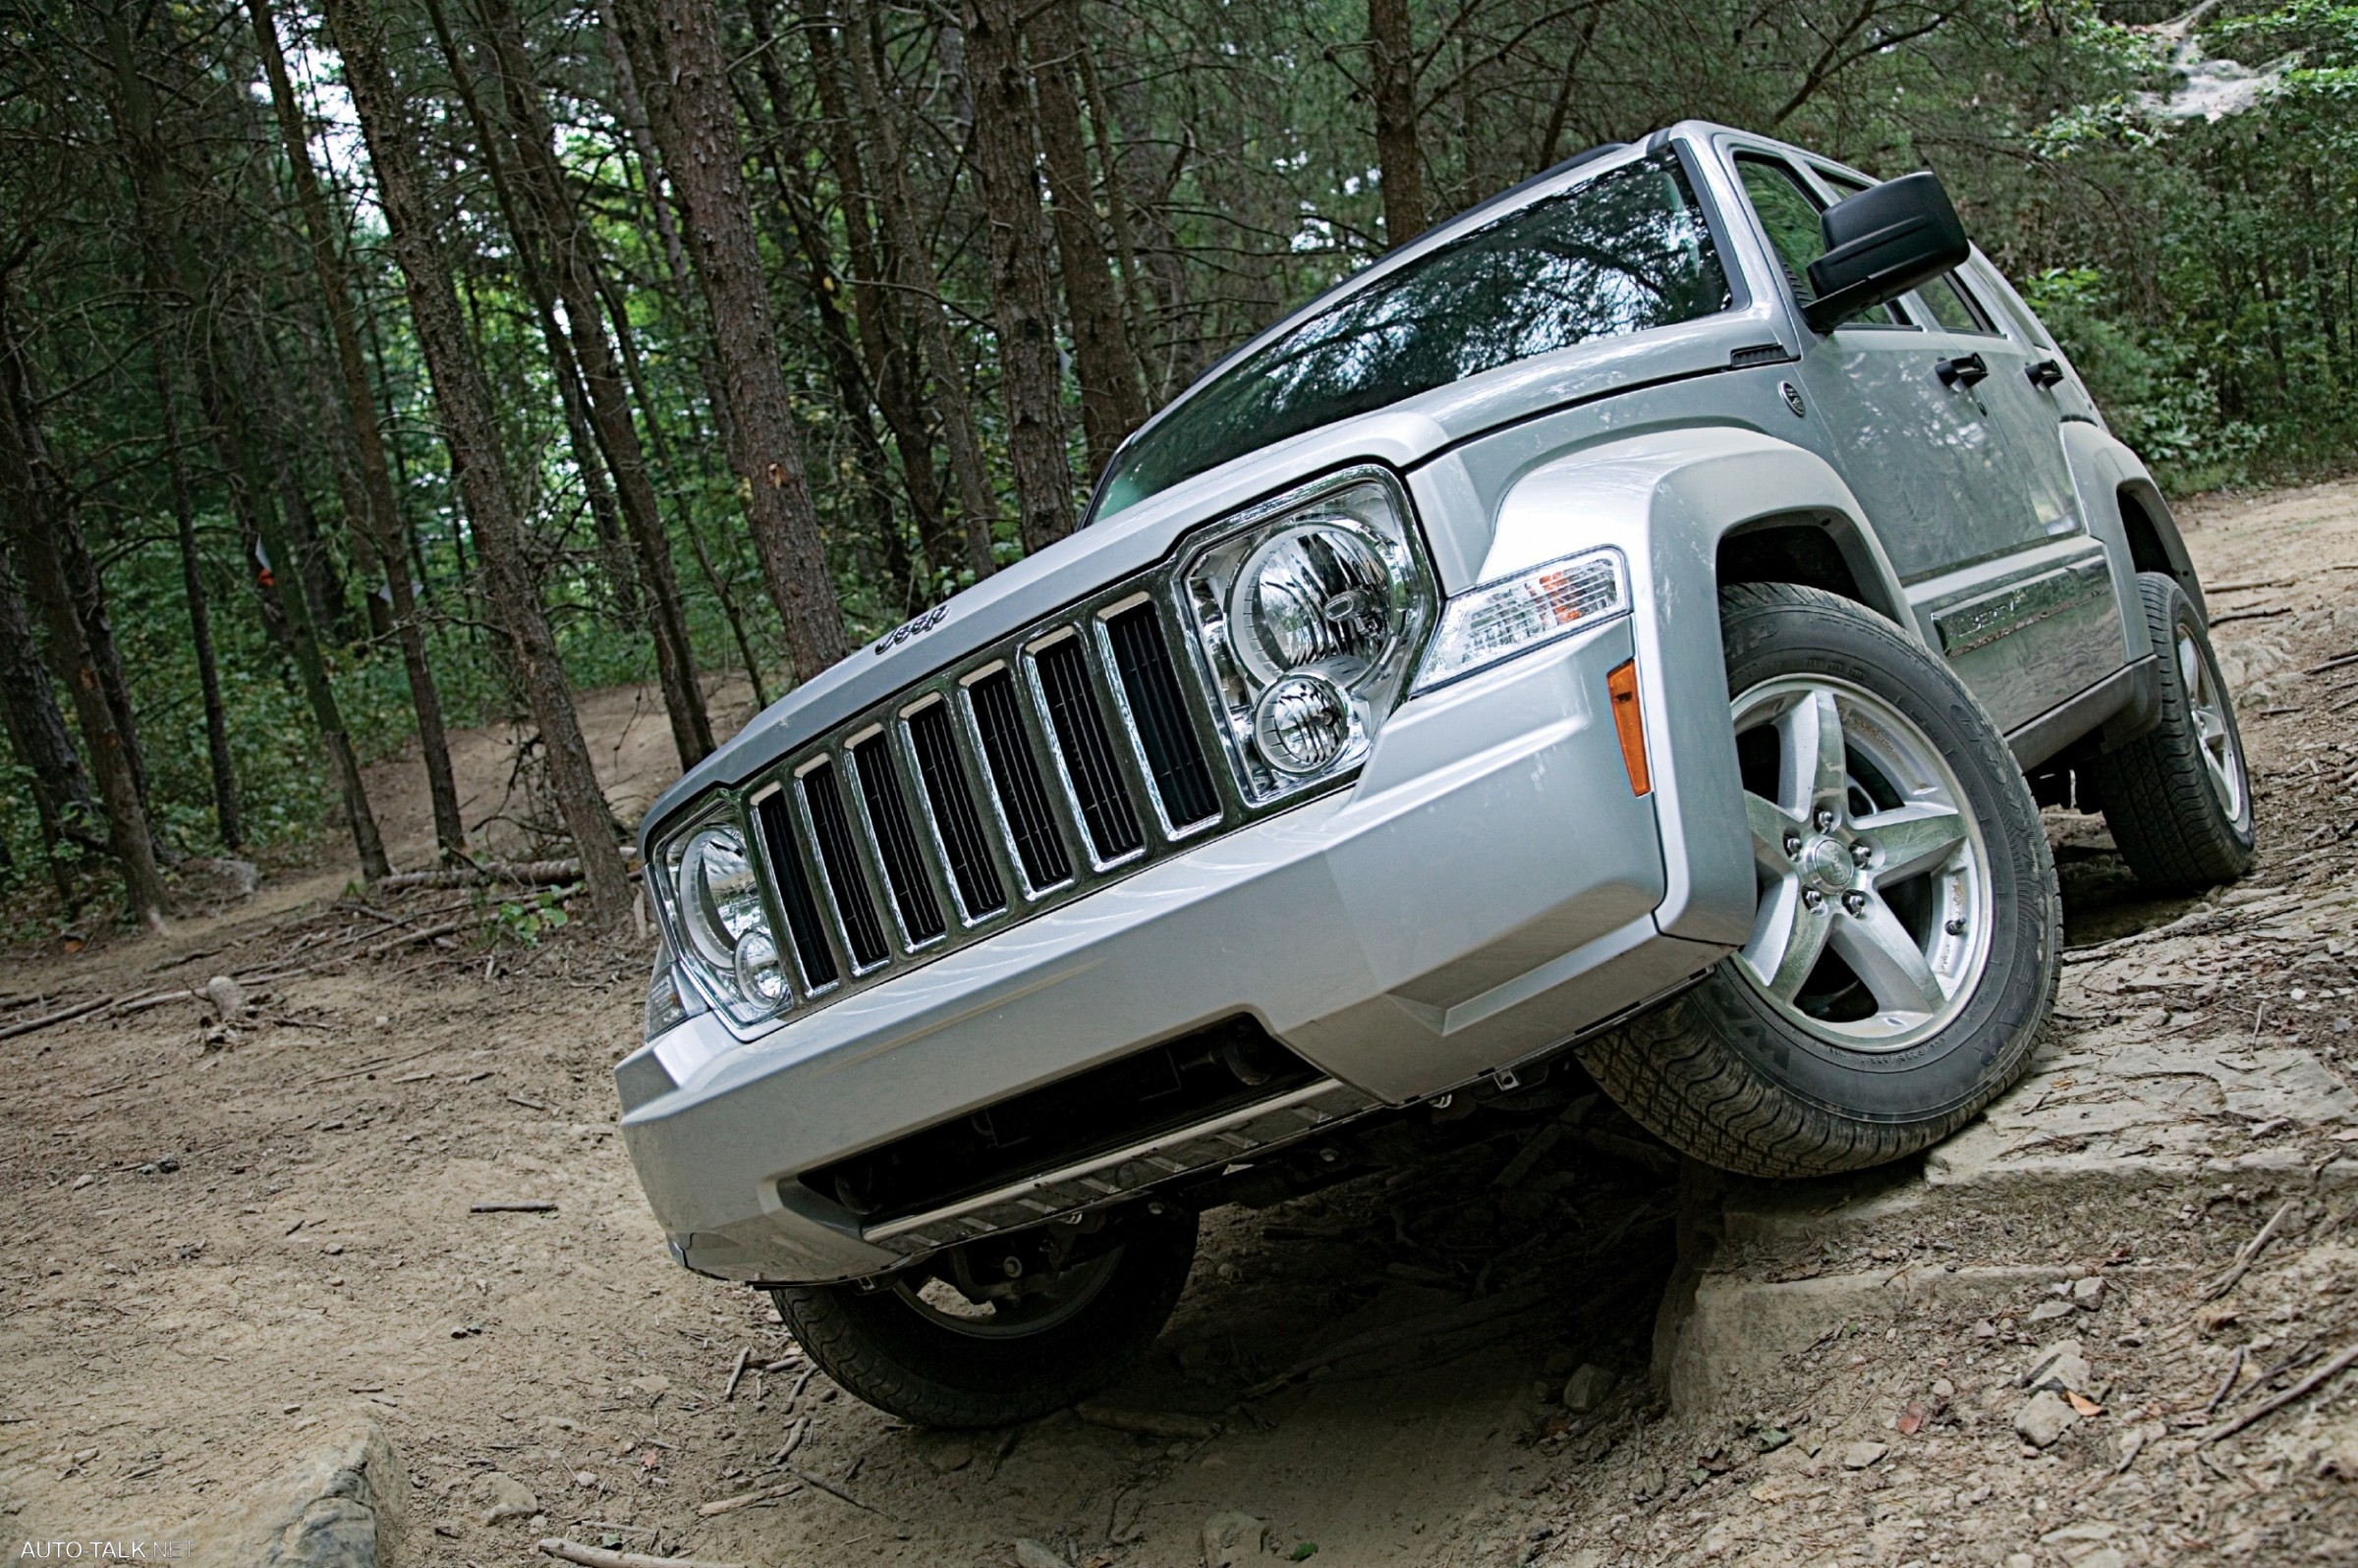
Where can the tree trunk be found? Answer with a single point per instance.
(1113, 400)
(1030, 381)
(465, 402)
(1392, 55)
(34, 528)
(675, 47)
(1126, 257)
(911, 270)
(572, 251)
(878, 311)
(201, 622)
(61, 795)
(798, 230)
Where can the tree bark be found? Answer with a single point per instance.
(61, 794)
(226, 819)
(798, 231)
(465, 401)
(675, 48)
(1394, 56)
(910, 269)
(877, 313)
(1030, 380)
(1113, 400)
(34, 528)
(574, 260)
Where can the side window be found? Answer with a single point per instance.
(1956, 309)
(1789, 212)
(1789, 215)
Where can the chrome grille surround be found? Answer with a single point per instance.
(771, 810)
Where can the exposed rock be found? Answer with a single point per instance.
(2088, 1292)
(505, 1498)
(342, 1508)
(2047, 1312)
(2045, 1418)
(227, 997)
(1231, 1541)
(1586, 1388)
(1861, 1454)
(2062, 1367)
(1030, 1553)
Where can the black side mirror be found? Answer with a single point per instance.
(1881, 243)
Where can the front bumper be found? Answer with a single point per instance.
(1484, 890)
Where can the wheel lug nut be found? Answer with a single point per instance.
(1855, 901)
(1826, 821)
(1812, 898)
(1792, 843)
(1862, 855)
(1954, 927)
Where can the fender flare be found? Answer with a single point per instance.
(2108, 478)
(1667, 499)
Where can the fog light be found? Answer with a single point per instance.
(1302, 723)
(760, 977)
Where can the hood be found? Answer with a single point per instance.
(1404, 435)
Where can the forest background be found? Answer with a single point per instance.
(398, 366)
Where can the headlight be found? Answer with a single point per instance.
(715, 901)
(1498, 620)
(1305, 622)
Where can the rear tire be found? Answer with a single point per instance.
(2178, 798)
(964, 1367)
(1907, 943)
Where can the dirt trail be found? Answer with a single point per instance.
(222, 1244)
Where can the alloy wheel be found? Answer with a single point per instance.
(2206, 704)
(1872, 925)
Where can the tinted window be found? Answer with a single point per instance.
(1621, 252)
(1789, 215)
(1953, 307)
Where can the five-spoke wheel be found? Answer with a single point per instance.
(1873, 922)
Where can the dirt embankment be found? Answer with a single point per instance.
(226, 1237)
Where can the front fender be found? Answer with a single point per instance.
(1667, 499)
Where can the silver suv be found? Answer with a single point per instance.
(1628, 632)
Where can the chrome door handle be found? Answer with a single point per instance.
(1963, 370)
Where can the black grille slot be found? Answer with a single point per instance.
(1087, 755)
(896, 839)
(860, 930)
(1152, 687)
(1017, 775)
(953, 801)
(803, 920)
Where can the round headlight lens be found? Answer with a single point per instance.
(719, 899)
(760, 976)
(1302, 723)
(1319, 594)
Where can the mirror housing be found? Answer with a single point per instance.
(1881, 243)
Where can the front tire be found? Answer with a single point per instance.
(914, 1347)
(2178, 798)
(1907, 940)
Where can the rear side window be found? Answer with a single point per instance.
(1956, 309)
(1618, 254)
(1789, 215)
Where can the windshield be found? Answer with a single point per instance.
(1618, 254)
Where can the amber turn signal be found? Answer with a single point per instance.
(1630, 725)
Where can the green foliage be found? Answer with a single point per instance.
(521, 922)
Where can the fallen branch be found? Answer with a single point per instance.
(723, 1505)
(600, 1558)
(2227, 1384)
(2306, 1386)
(537, 1207)
(736, 1373)
(2250, 1254)
(2333, 663)
(2251, 615)
(520, 874)
(833, 1491)
(1169, 1426)
(424, 933)
(63, 1015)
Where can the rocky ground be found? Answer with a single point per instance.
(2105, 1325)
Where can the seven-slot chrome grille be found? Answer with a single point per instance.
(1029, 773)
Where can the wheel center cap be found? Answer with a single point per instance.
(1827, 865)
